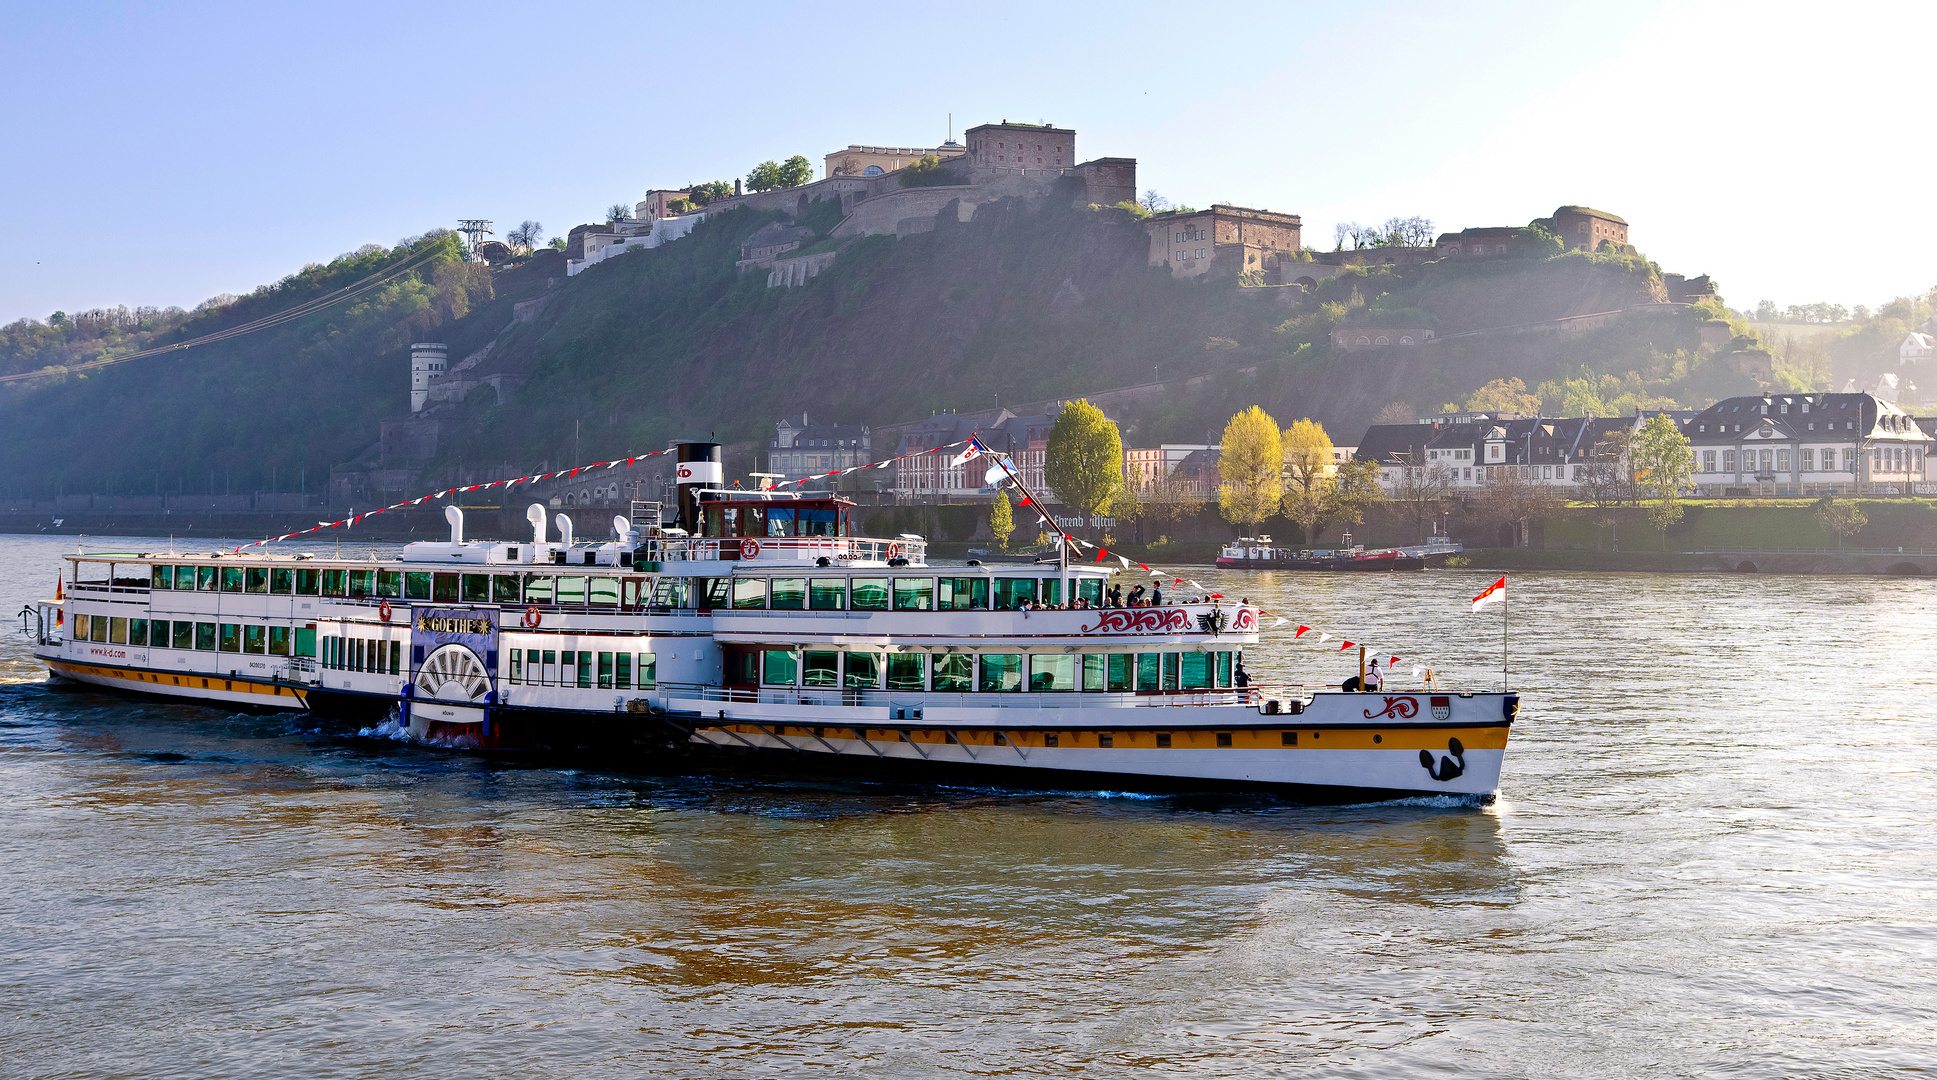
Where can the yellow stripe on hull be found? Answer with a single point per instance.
(228, 690)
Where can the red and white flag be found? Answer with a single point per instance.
(1493, 592)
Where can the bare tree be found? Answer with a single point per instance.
(1421, 488)
(1508, 498)
(1395, 412)
(1153, 202)
(1606, 478)
(528, 235)
(616, 213)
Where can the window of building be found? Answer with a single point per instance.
(1728, 461)
(1708, 461)
(1782, 460)
(1808, 460)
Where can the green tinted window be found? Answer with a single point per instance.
(1051, 591)
(475, 588)
(625, 670)
(1011, 592)
(962, 594)
(584, 670)
(789, 594)
(907, 671)
(1170, 671)
(363, 583)
(779, 668)
(538, 590)
(1093, 671)
(184, 634)
(416, 585)
(281, 581)
(1001, 671)
(1091, 590)
(162, 577)
(184, 578)
(504, 589)
(205, 636)
(279, 641)
(571, 590)
(137, 631)
(336, 583)
(306, 641)
(605, 671)
(205, 578)
(229, 638)
(863, 671)
(954, 671)
(827, 594)
(1223, 669)
(914, 594)
(254, 639)
(1052, 672)
(871, 594)
(750, 592)
(1149, 667)
(257, 578)
(309, 581)
(390, 584)
(820, 668)
(648, 670)
(232, 579)
(1196, 670)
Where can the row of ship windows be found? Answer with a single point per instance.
(191, 635)
(989, 672)
(977, 593)
(584, 669)
(362, 654)
(400, 585)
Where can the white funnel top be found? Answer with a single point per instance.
(620, 526)
(535, 513)
(456, 518)
(564, 530)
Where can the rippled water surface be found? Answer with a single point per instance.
(1713, 854)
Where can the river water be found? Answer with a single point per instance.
(1714, 853)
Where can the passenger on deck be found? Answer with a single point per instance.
(1374, 682)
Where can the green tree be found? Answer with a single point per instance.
(616, 213)
(796, 171)
(1308, 475)
(769, 175)
(1251, 468)
(1083, 463)
(709, 192)
(1843, 518)
(1663, 464)
(1002, 520)
(1504, 395)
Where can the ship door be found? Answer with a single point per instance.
(740, 670)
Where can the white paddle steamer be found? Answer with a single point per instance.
(761, 629)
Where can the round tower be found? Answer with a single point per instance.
(427, 360)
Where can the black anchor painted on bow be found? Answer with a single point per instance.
(1445, 768)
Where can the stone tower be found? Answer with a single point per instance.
(427, 359)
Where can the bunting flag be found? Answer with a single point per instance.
(1281, 622)
(1344, 645)
(1302, 631)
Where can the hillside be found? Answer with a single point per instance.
(1026, 302)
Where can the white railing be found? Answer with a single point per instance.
(839, 549)
(834, 697)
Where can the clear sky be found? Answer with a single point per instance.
(164, 153)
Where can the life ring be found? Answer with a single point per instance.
(532, 617)
(894, 551)
(383, 610)
(749, 548)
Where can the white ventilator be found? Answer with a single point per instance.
(564, 530)
(455, 517)
(535, 513)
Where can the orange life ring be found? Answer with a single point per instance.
(532, 617)
(749, 548)
(383, 610)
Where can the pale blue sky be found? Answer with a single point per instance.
(161, 154)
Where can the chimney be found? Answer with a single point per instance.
(736, 185)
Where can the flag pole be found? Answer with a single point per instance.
(1504, 601)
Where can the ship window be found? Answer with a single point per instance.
(827, 594)
(184, 579)
(1001, 671)
(282, 581)
(475, 588)
(362, 582)
(870, 594)
(416, 585)
(914, 594)
(306, 641)
(444, 588)
(817, 521)
(229, 637)
(81, 625)
(504, 589)
(538, 590)
(605, 591)
(309, 582)
(1052, 672)
(605, 671)
(1196, 670)
(953, 671)
(254, 639)
(118, 631)
(390, 584)
(1052, 591)
(863, 671)
(1093, 671)
(1118, 676)
(1224, 670)
(962, 594)
(548, 668)
(204, 636)
(624, 674)
(1011, 592)
(584, 670)
(1170, 671)
(669, 592)
(750, 592)
(517, 665)
(789, 594)
(780, 521)
(183, 636)
(648, 670)
(1148, 666)
(335, 582)
(907, 671)
(205, 578)
(571, 590)
(232, 579)
(820, 668)
(161, 577)
(279, 641)
(779, 668)
(137, 631)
